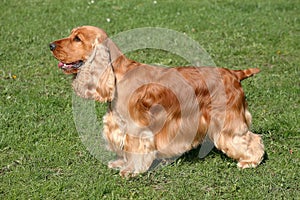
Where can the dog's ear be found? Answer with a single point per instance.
(96, 79)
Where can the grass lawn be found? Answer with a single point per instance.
(41, 154)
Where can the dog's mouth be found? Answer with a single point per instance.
(68, 66)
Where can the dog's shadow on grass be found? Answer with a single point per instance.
(192, 156)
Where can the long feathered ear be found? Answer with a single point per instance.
(96, 79)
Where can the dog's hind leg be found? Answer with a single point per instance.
(245, 147)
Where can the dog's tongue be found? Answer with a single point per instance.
(60, 64)
(65, 66)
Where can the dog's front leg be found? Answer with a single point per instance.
(139, 153)
(137, 163)
(117, 164)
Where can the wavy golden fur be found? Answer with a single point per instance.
(155, 112)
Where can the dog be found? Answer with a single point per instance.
(158, 112)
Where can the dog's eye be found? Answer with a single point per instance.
(77, 39)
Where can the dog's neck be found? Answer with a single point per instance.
(120, 63)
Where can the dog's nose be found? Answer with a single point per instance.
(52, 46)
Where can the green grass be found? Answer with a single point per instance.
(41, 154)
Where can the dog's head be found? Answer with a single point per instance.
(73, 51)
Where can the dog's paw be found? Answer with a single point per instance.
(116, 164)
(244, 165)
(125, 173)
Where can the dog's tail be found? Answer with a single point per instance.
(243, 74)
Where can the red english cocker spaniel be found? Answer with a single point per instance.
(156, 112)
